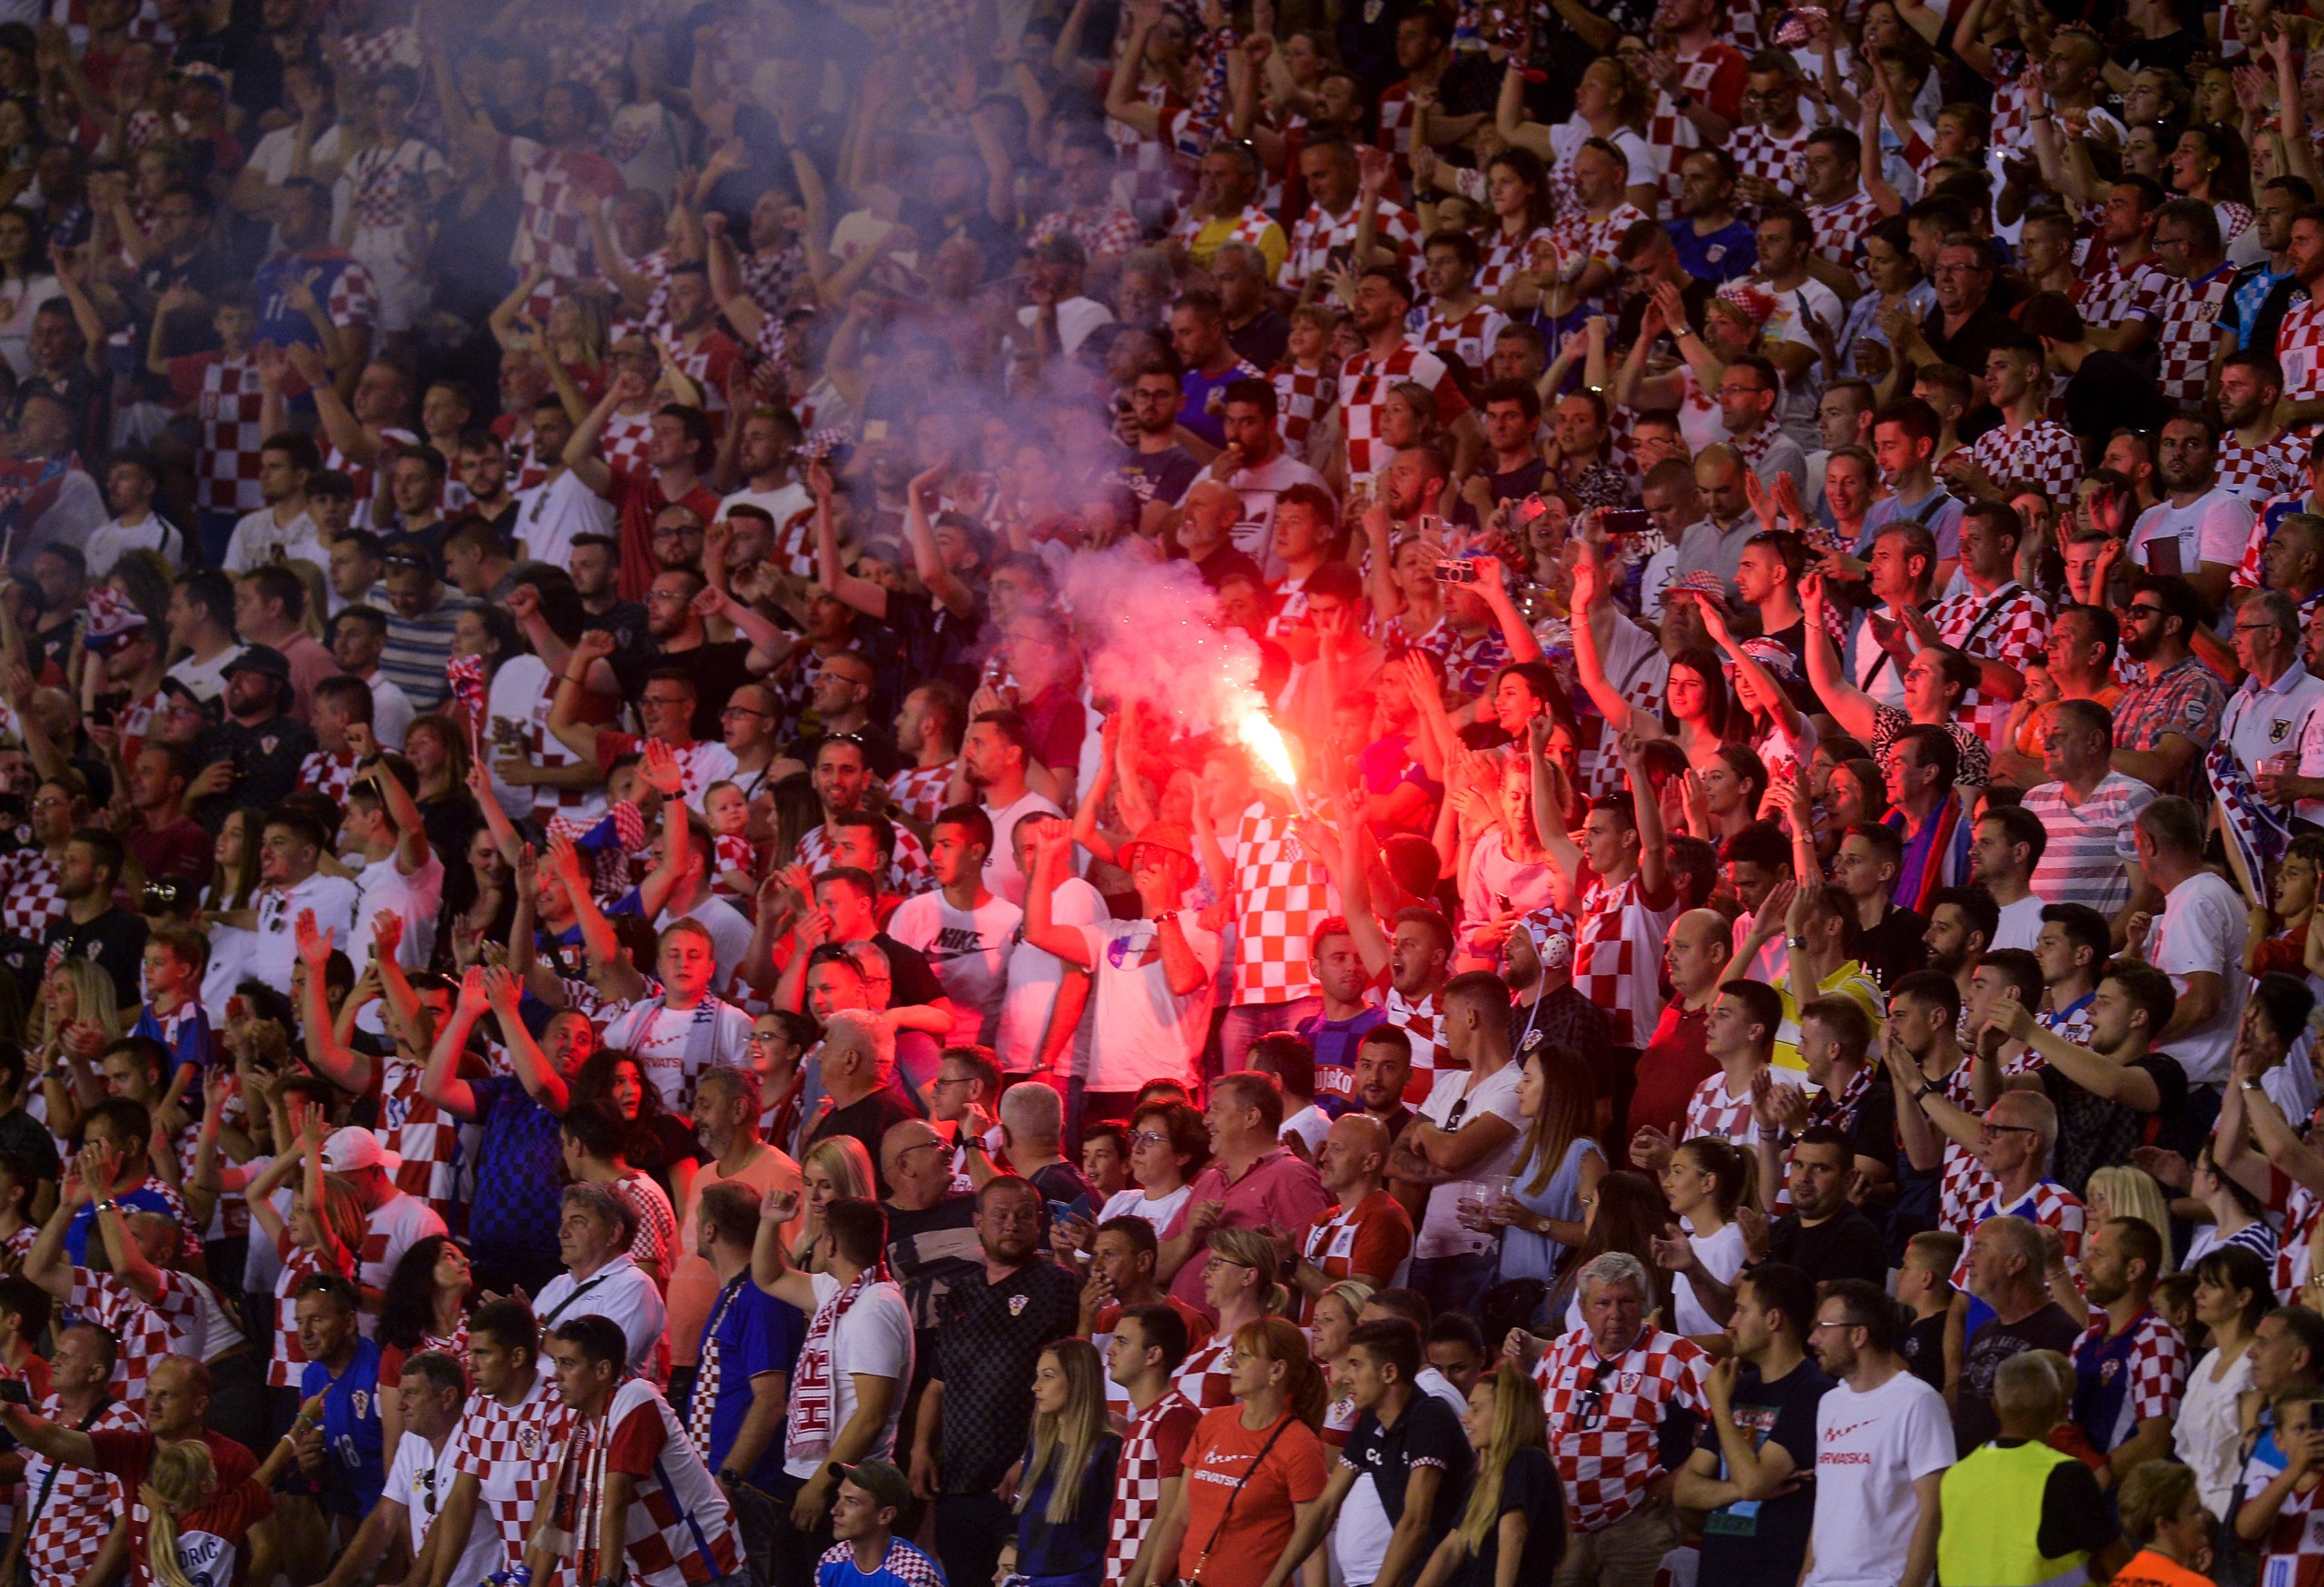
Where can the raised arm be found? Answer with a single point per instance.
(1850, 707)
(440, 1082)
(1066, 942)
(771, 1267)
(342, 1065)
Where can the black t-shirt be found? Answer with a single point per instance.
(2175, 50)
(1764, 1541)
(879, 752)
(868, 1121)
(1846, 1247)
(266, 759)
(2108, 393)
(1924, 1351)
(914, 984)
(624, 620)
(716, 669)
(115, 940)
(2093, 1131)
(930, 1248)
(1162, 475)
(1265, 342)
(1892, 949)
(1528, 1485)
(1427, 1434)
(1973, 1421)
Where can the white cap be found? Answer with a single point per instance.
(351, 1150)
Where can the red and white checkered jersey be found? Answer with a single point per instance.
(552, 233)
(708, 364)
(2189, 336)
(427, 1138)
(1251, 226)
(1315, 235)
(2158, 1365)
(626, 441)
(228, 400)
(1423, 1023)
(2113, 293)
(71, 1525)
(1396, 118)
(1507, 255)
(287, 1359)
(1206, 1378)
(328, 775)
(2260, 475)
(2042, 453)
(2299, 349)
(145, 1333)
(1711, 1112)
(1471, 337)
(29, 900)
(1281, 895)
(1779, 159)
(1152, 174)
(1579, 237)
(369, 54)
(1667, 130)
(1365, 383)
(1964, 1184)
(2010, 625)
(1153, 1452)
(1606, 1417)
(1840, 228)
(1300, 396)
(2049, 1204)
(1618, 951)
(1104, 230)
(2234, 220)
(512, 1452)
(908, 869)
(2013, 112)
(918, 791)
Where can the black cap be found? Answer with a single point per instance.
(261, 658)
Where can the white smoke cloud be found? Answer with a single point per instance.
(1150, 632)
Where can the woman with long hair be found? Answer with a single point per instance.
(479, 907)
(1627, 1214)
(2238, 1216)
(424, 1306)
(1512, 1527)
(1695, 702)
(180, 1498)
(2212, 163)
(26, 283)
(1897, 284)
(485, 638)
(1780, 732)
(1936, 680)
(2119, 1190)
(1337, 1311)
(439, 751)
(1241, 1281)
(1704, 1182)
(656, 1144)
(2232, 1292)
(1236, 1531)
(78, 1018)
(1542, 1216)
(233, 888)
(836, 1166)
(1065, 1497)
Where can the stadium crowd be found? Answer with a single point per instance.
(697, 888)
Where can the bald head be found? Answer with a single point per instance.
(1698, 950)
(916, 1163)
(1353, 1157)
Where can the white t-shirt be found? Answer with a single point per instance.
(1723, 1255)
(621, 1292)
(1440, 1233)
(1310, 1123)
(1869, 1449)
(1000, 873)
(2213, 527)
(521, 681)
(207, 679)
(382, 886)
(1142, 1030)
(112, 540)
(658, 1038)
(421, 1481)
(2020, 923)
(872, 1340)
(1076, 319)
(551, 513)
(391, 716)
(1034, 975)
(2203, 927)
(968, 949)
(1135, 1203)
(730, 934)
(257, 536)
(782, 504)
(274, 947)
(1253, 533)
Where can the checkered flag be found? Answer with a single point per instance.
(2256, 832)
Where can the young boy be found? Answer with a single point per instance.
(130, 480)
(1925, 1284)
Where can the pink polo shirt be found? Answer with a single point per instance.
(1279, 1191)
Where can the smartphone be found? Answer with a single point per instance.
(14, 1392)
(2163, 555)
(1625, 520)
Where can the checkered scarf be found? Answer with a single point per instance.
(705, 1377)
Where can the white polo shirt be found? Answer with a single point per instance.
(620, 1291)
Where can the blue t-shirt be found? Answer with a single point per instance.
(519, 1172)
(1727, 255)
(353, 1438)
(1336, 1042)
(905, 1566)
(756, 1334)
(145, 1198)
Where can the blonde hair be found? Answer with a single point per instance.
(1255, 1247)
(94, 1000)
(2132, 1193)
(1517, 1423)
(179, 1478)
(843, 1161)
(1066, 1441)
(1352, 1292)
(341, 1213)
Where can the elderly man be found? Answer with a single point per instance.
(857, 1065)
(1366, 1234)
(931, 1225)
(2006, 1269)
(2268, 716)
(1991, 1532)
(1254, 1180)
(2084, 806)
(1611, 1388)
(594, 1232)
(1882, 1447)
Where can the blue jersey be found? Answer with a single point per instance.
(749, 1332)
(186, 1034)
(353, 1438)
(1727, 255)
(905, 1566)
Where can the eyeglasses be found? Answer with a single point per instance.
(1987, 1130)
(745, 711)
(1589, 1405)
(1150, 1138)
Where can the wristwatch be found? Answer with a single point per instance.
(1797, 945)
(1928, 1090)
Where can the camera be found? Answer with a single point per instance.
(1454, 570)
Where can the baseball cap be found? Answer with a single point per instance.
(261, 658)
(351, 1149)
(882, 1481)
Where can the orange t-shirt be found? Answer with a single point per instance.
(2149, 1568)
(1221, 1450)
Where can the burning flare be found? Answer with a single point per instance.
(1259, 732)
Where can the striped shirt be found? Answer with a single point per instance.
(420, 648)
(2081, 863)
